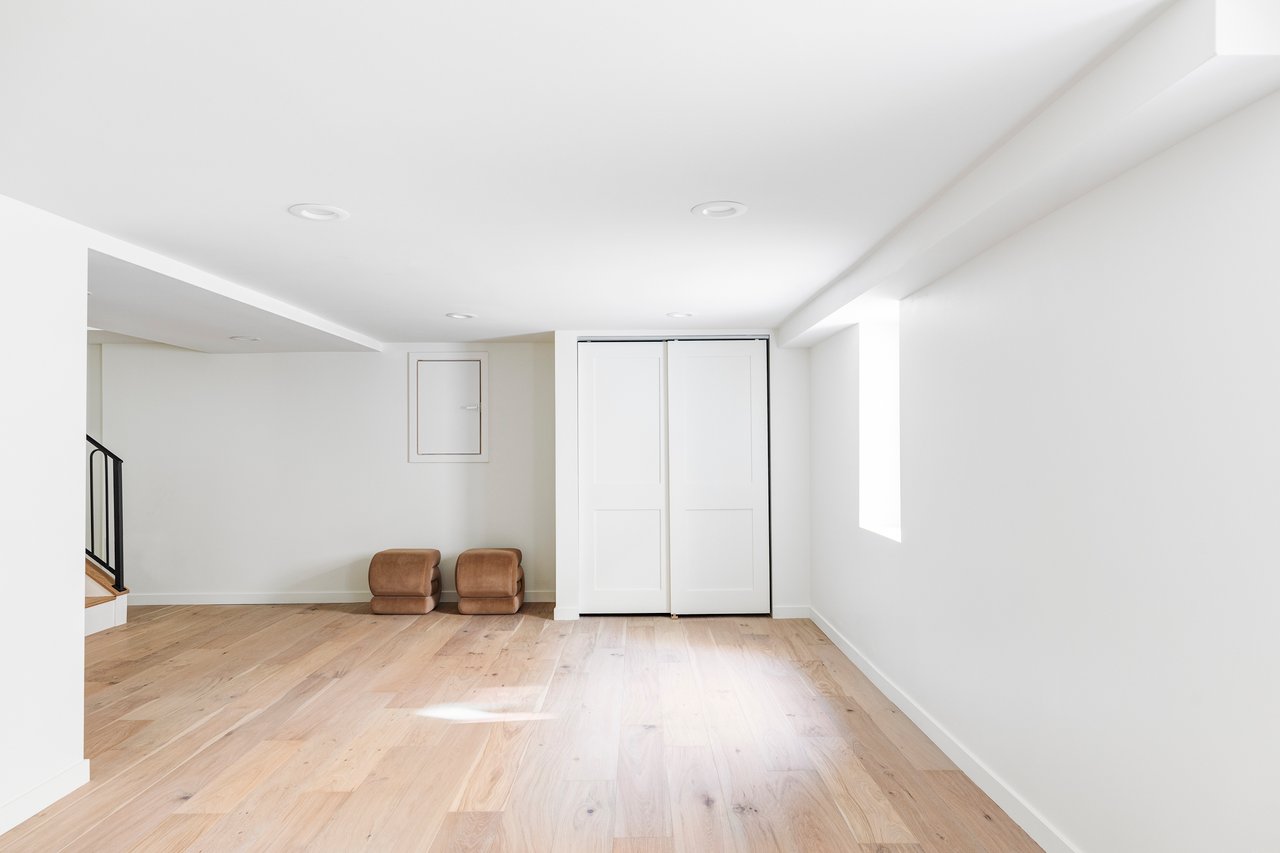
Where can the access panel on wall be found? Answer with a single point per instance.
(447, 400)
(674, 488)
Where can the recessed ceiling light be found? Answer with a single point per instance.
(245, 339)
(318, 212)
(719, 209)
(460, 316)
(679, 315)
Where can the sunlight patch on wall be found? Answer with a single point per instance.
(879, 433)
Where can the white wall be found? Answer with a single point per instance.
(93, 397)
(93, 427)
(568, 574)
(42, 292)
(1085, 596)
(789, 479)
(275, 477)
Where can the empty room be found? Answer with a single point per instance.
(664, 427)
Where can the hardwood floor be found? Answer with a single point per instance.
(298, 727)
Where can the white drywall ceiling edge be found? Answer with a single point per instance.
(197, 278)
(1173, 78)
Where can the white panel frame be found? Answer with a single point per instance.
(592, 499)
(568, 558)
(687, 596)
(415, 409)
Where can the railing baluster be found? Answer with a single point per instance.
(111, 557)
(93, 501)
(118, 519)
(106, 513)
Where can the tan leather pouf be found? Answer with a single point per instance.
(489, 581)
(405, 581)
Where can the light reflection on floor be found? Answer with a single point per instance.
(459, 713)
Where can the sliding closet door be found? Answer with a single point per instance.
(719, 471)
(622, 468)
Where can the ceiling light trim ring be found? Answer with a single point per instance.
(313, 212)
(718, 209)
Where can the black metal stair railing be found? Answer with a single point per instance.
(104, 540)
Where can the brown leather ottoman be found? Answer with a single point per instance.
(489, 581)
(405, 581)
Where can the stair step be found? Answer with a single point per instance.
(102, 579)
(94, 600)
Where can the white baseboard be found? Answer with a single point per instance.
(334, 597)
(1022, 813)
(780, 611)
(43, 795)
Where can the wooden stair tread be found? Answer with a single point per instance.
(93, 600)
(102, 579)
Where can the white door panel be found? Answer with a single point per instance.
(713, 408)
(719, 476)
(449, 407)
(627, 393)
(720, 545)
(628, 549)
(623, 477)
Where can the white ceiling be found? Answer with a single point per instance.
(532, 163)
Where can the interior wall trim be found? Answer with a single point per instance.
(43, 795)
(1023, 813)
(331, 597)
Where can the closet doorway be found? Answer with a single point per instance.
(673, 443)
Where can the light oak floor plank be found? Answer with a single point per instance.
(468, 832)
(322, 727)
